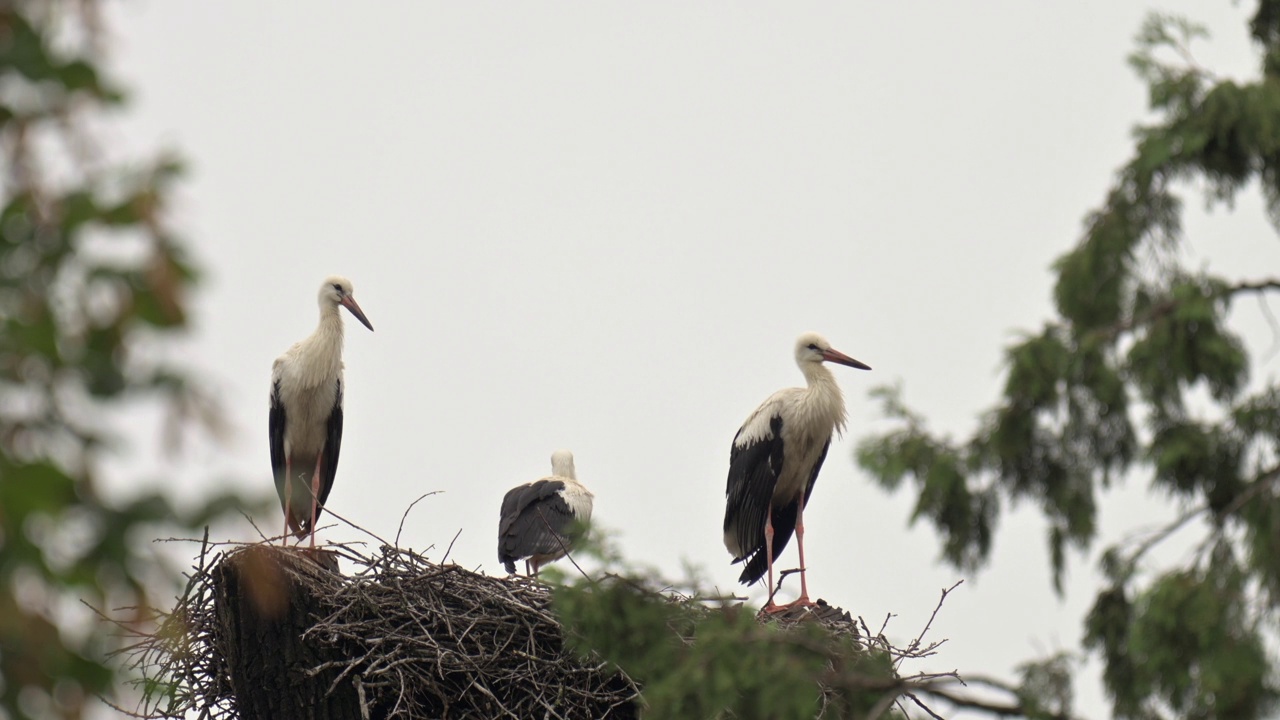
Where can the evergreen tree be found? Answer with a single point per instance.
(1141, 376)
(90, 277)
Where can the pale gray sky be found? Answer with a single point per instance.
(600, 226)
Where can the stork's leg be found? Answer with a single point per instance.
(803, 600)
(768, 556)
(315, 498)
(288, 495)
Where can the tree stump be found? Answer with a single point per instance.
(289, 638)
(263, 613)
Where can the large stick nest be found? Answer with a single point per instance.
(411, 638)
(268, 632)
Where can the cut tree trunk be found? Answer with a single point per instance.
(264, 612)
(289, 638)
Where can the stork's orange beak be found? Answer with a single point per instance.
(349, 303)
(835, 356)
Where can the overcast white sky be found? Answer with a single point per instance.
(600, 226)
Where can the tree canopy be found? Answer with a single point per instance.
(91, 276)
(1141, 375)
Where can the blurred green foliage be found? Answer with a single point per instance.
(90, 278)
(1141, 375)
(699, 657)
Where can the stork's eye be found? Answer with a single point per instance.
(813, 347)
(337, 287)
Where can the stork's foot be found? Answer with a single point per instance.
(799, 604)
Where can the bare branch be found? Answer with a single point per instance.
(405, 516)
(915, 644)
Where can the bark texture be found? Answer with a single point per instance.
(263, 613)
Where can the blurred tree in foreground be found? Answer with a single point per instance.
(89, 277)
(1141, 375)
(698, 656)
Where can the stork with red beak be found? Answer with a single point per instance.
(305, 424)
(774, 463)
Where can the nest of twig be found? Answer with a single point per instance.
(400, 638)
(262, 631)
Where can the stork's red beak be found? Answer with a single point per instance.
(835, 356)
(349, 303)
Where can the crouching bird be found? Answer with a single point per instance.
(540, 519)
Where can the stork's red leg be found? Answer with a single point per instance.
(768, 556)
(804, 587)
(288, 495)
(315, 498)
(803, 600)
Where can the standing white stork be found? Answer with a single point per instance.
(539, 519)
(774, 463)
(305, 424)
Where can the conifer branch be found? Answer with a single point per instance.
(1017, 708)
(1256, 487)
(1164, 307)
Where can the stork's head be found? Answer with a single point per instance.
(562, 464)
(338, 290)
(813, 348)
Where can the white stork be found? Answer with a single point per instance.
(539, 519)
(305, 424)
(774, 463)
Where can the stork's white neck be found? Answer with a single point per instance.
(322, 358)
(330, 315)
(562, 466)
(329, 330)
(822, 398)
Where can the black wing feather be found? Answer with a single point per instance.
(753, 474)
(275, 434)
(813, 478)
(784, 526)
(329, 455)
(535, 521)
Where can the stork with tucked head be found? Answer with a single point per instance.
(305, 424)
(774, 463)
(539, 519)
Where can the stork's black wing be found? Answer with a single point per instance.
(332, 446)
(754, 467)
(784, 525)
(813, 478)
(275, 434)
(535, 521)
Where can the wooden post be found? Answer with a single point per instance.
(262, 613)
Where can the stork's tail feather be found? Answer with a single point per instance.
(509, 564)
(300, 513)
(784, 525)
(755, 568)
(299, 505)
(301, 525)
